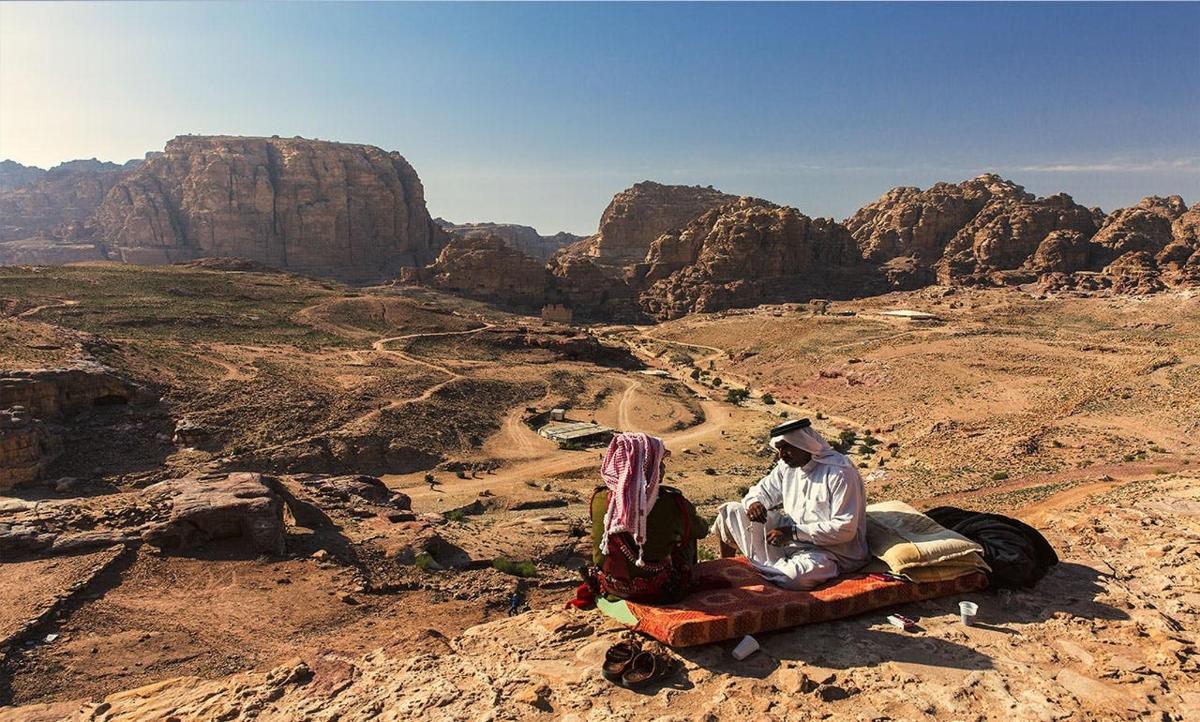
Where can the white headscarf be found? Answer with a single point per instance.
(809, 440)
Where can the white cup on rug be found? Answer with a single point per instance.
(745, 648)
(968, 610)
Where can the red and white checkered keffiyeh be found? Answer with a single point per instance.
(631, 471)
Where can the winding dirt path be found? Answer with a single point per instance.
(38, 309)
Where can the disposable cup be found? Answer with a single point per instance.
(745, 648)
(968, 610)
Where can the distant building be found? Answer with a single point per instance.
(557, 313)
(558, 414)
(576, 434)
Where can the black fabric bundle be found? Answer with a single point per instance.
(1017, 553)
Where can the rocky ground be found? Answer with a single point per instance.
(150, 578)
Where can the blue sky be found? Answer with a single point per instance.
(538, 113)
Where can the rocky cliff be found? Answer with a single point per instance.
(352, 212)
(525, 239)
(56, 204)
(486, 268)
(749, 252)
(638, 215)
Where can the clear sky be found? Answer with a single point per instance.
(538, 113)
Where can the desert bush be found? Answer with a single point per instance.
(426, 563)
(768, 399)
(716, 382)
(737, 396)
(515, 568)
(999, 476)
(705, 554)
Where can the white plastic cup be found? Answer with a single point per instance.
(968, 610)
(745, 648)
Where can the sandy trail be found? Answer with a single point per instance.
(38, 309)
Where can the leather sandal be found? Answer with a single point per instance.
(619, 657)
(647, 667)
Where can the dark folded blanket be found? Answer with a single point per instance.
(1017, 553)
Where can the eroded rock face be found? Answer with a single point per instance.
(917, 223)
(638, 215)
(353, 212)
(54, 393)
(486, 268)
(26, 448)
(751, 252)
(58, 204)
(1007, 232)
(204, 510)
(525, 239)
(595, 290)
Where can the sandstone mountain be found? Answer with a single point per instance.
(749, 252)
(525, 239)
(57, 203)
(638, 215)
(352, 212)
(487, 268)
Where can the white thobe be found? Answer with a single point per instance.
(824, 506)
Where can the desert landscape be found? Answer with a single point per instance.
(338, 342)
(235, 489)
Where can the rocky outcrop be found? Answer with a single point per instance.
(26, 448)
(1008, 232)
(352, 212)
(202, 510)
(57, 392)
(638, 215)
(751, 252)
(525, 239)
(594, 290)
(488, 269)
(910, 222)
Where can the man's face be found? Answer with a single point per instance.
(792, 456)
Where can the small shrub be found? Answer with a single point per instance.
(865, 450)
(783, 414)
(1000, 476)
(1160, 472)
(768, 399)
(695, 374)
(862, 464)
(457, 516)
(517, 569)
(1158, 449)
(426, 563)
(737, 396)
(705, 554)
(742, 491)
(716, 382)
(871, 440)
(1056, 444)
(461, 473)
(710, 471)
(820, 416)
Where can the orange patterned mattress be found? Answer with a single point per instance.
(750, 605)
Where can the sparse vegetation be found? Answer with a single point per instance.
(426, 563)
(737, 396)
(999, 475)
(769, 400)
(515, 568)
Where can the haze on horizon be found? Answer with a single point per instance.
(538, 113)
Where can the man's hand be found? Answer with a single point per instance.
(778, 537)
(757, 512)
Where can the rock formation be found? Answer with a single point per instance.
(28, 399)
(525, 239)
(203, 510)
(14, 175)
(638, 215)
(750, 252)
(352, 212)
(56, 204)
(488, 269)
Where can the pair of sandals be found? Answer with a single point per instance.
(626, 664)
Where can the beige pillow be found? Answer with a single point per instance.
(906, 539)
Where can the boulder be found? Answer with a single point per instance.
(199, 510)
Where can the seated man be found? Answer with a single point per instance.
(806, 521)
(643, 533)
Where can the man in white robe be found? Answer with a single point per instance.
(805, 522)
